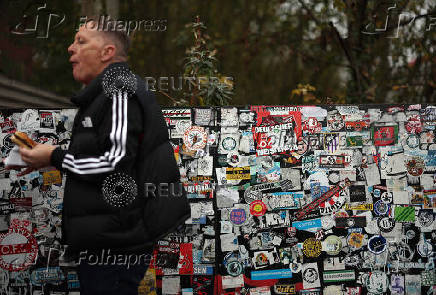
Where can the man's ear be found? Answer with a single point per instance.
(108, 52)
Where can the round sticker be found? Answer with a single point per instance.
(386, 197)
(425, 217)
(386, 224)
(355, 240)
(18, 249)
(195, 138)
(412, 141)
(425, 249)
(228, 143)
(381, 208)
(234, 268)
(312, 247)
(257, 208)
(377, 244)
(238, 216)
(333, 245)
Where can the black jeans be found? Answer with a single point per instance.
(110, 279)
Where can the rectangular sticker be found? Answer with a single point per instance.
(271, 274)
(238, 173)
(307, 224)
(338, 276)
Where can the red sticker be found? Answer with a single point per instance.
(257, 208)
(18, 249)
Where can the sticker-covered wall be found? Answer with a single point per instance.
(284, 200)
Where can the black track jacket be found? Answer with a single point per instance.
(110, 135)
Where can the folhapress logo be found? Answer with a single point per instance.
(38, 21)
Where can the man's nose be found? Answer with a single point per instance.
(71, 49)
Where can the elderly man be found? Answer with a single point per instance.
(119, 142)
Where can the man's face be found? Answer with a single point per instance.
(86, 54)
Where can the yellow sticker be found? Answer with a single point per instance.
(238, 173)
(52, 177)
(359, 207)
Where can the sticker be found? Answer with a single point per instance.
(414, 124)
(425, 217)
(203, 117)
(413, 284)
(357, 193)
(233, 173)
(386, 224)
(271, 274)
(282, 200)
(195, 138)
(424, 248)
(413, 141)
(415, 166)
(312, 125)
(234, 268)
(335, 121)
(332, 245)
(404, 214)
(360, 207)
(238, 216)
(316, 203)
(338, 276)
(228, 143)
(377, 244)
(354, 141)
(307, 224)
(332, 161)
(18, 249)
(385, 135)
(285, 289)
(357, 125)
(257, 208)
(381, 208)
(312, 247)
(310, 276)
(353, 221)
(355, 240)
(376, 282)
(260, 259)
(47, 275)
(52, 177)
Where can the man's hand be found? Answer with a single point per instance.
(39, 156)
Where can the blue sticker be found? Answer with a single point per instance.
(271, 274)
(307, 224)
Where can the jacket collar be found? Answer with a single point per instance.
(85, 96)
